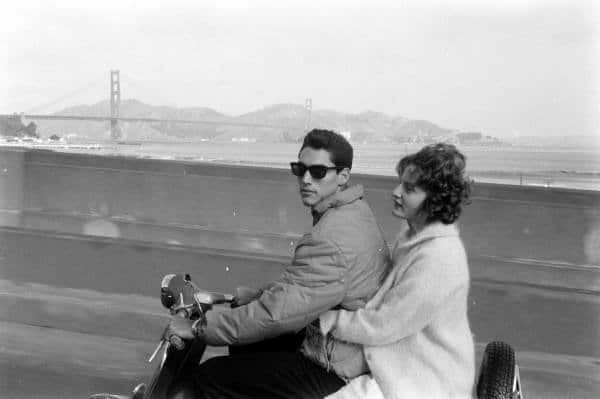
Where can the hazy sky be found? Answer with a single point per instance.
(504, 68)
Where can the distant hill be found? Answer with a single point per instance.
(134, 131)
(290, 119)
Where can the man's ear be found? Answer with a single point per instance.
(343, 176)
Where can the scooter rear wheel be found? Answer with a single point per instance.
(499, 375)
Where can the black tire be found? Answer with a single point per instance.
(497, 372)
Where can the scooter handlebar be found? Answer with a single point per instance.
(212, 298)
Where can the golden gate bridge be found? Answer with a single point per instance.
(114, 118)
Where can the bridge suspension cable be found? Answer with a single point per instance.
(66, 96)
(115, 117)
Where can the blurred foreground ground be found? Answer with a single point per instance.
(51, 363)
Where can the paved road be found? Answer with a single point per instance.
(45, 363)
(72, 285)
(38, 362)
(543, 320)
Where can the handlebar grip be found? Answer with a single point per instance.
(177, 342)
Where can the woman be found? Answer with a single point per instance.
(414, 331)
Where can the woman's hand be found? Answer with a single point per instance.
(327, 321)
(180, 327)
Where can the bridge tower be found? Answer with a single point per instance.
(115, 104)
(308, 106)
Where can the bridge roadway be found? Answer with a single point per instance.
(147, 120)
(103, 330)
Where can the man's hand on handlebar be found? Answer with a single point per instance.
(180, 327)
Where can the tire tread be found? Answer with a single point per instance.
(497, 372)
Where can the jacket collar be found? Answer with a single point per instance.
(432, 230)
(340, 198)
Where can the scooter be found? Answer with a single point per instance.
(498, 375)
(182, 298)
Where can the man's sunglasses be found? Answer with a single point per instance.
(316, 171)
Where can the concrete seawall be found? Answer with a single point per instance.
(555, 225)
(85, 240)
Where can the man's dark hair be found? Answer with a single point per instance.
(439, 170)
(340, 149)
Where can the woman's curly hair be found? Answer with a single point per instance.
(439, 169)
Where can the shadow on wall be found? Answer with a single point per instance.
(591, 241)
(102, 226)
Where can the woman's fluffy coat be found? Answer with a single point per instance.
(415, 330)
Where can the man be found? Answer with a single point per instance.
(340, 263)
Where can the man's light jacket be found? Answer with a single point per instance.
(339, 264)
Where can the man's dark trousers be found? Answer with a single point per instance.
(268, 369)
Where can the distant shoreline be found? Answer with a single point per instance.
(552, 168)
